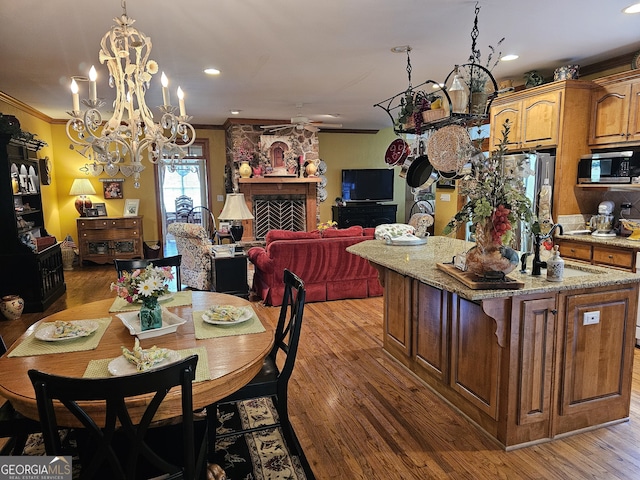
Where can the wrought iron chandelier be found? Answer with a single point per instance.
(131, 131)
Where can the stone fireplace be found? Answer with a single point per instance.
(288, 203)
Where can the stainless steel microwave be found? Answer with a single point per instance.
(609, 167)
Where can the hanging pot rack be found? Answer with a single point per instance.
(472, 74)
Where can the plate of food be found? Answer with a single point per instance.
(141, 360)
(61, 330)
(227, 315)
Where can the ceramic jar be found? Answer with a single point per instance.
(568, 72)
(12, 306)
(311, 169)
(244, 170)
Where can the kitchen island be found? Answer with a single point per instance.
(526, 365)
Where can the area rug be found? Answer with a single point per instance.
(259, 455)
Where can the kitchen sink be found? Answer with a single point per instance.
(571, 272)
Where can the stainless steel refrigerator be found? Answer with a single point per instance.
(543, 166)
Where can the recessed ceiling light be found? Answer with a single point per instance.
(635, 8)
(401, 49)
(212, 71)
(235, 112)
(508, 58)
(437, 85)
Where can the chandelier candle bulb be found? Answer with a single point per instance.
(93, 76)
(181, 102)
(165, 90)
(75, 96)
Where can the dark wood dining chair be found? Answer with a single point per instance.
(129, 265)
(115, 447)
(14, 426)
(272, 381)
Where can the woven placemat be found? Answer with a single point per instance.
(206, 330)
(178, 299)
(100, 368)
(32, 346)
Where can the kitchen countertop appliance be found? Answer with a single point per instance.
(603, 222)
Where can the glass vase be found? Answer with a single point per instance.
(150, 314)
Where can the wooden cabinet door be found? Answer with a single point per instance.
(610, 114)
(594, 361)
(397, 315)
(499, 115)
(541, 120)
(431, 332)
(633, 132)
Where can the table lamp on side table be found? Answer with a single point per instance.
(82, 187)
(235, 210)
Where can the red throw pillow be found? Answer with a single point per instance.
(355, 231)
(273, 235)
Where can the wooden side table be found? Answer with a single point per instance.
(229, 275)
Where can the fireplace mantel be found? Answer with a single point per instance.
(252, 187)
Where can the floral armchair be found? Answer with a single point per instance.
(192, 242)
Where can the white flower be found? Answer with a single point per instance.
(152, 67)
(147, 287)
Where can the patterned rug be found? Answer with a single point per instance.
(259, 455)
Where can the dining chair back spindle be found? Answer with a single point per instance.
(116, 447)
(129, 265)
(272, 381)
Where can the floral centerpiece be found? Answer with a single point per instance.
(496, 200)
(145, 286)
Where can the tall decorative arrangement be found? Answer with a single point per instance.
(496, 200)
(145, 286)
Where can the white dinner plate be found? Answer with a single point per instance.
(121, 366)
(246, 315)
(46, 333)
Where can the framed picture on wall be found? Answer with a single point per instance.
(113, 189)
(131, 207)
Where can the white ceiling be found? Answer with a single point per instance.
(333, 56)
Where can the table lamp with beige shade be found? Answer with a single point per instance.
(235, 210)
(81, 187)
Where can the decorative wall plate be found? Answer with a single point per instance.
(635, 63)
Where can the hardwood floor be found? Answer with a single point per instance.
(360, 415)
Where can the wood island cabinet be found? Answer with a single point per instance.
(615, 110)
(103, 239)
(524, 368)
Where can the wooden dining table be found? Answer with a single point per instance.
(232, 360)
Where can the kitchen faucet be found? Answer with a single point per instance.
(539, 237)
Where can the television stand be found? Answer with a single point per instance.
(364, 214)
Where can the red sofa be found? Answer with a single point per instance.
(320, 259)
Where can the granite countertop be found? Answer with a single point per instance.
(420, 261)
(623, 242)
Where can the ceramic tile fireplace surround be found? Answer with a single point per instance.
(281, 199)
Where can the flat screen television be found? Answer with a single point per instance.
(367, 185)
